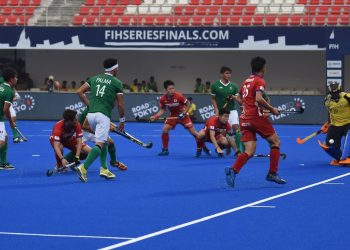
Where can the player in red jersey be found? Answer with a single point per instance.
(215, 131)
(253, 121)
(178, 107)
(67, 133)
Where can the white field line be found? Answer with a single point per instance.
(213, 216)
(335, 183)
(67, 236)
(263, 206)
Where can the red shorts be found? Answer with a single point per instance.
(250, 128)
(186, 122)
(70, 144)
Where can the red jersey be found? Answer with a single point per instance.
(250, 86)
(61, 135)
(214, 124)
(175, 103)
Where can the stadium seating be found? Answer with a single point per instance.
(17, 12)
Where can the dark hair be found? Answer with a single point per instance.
(224, 111)
(69, 115)
(168, 83)
(9, 73)
(257, 64)
(189, 98)
(110, 62)
(224, 69)
(198, 79)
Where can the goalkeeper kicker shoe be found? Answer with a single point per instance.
(104, 172)
(82, 173)
(273, 177)
(121, 166)
(230, 176)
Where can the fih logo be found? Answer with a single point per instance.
(294, 105)
(27, 103)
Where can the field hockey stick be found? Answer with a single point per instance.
(283, 156)
(133, 139)
(21, 135)
(138, 119)
(305, 139)
(50, 172)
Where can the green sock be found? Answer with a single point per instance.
(14, 133)
(3, 154)
(237, 137)
(103, 157)
(70, 157)
(94, 153)
(112, 153)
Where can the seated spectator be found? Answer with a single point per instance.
(45, 85)
(81, 83)
(198, 87)
(207, 87)
(152, 85)
(133, 85)
(144, 86)
(192, 109)
(73, 85)
(64, 85)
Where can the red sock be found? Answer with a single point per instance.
(239, 163)
(274, 159)
(165, 140)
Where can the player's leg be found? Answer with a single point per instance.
(4, 164)
(345, 158)
(113, 155)
(16, 136)
(58, 164)
(169, 124)
(200, 142)
(333, 143)
(237, 135)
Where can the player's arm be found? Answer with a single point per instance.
(347, 97)
(156, 116)
(260, 99)
(121, 110)
(81, 93)
(7, 113)
(58, 152)
(213, 140)
(239, 98)
(215, 104)
(78, 150)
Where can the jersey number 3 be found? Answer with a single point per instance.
(100, 90)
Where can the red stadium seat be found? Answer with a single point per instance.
(226, 10)
(23, 21)
(90, 20)
(18, 11)
(194, 2)
(314, 2)
(189, 10)
(311, 10)
(3, 3)
(77, 20)
(319, 20)
(35, 2)
(213, 10)
(2, 20)
(113, 2)
(346, 10)
(344, 20)
(335, 10)
(161, 20)
(246, 20)
(322, 10)
(223, 20)
(89, 2)
(24, 3)
(283, 20)
(201, 10)
(270, 20)
(237, 10)
(29, 11)
(102, 20)
(84, 10)
(332, 20)
(233, 21)
(95, 11)
(249, 10)
(218, 2)
(6, 11)
(338, 2)
(148, 20)
(11, 20)
(230, 2)
(241, 2)
(209, 21)
(206, 2)
(124, 2)
(107, 11)
(326, 2)
(119, 10)
(305, 2)
(178, 10)
(183, 21)
(101, 2)
(258, 20)
(196, 21)
(125, 21)
(113, 20)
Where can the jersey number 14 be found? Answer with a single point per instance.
(100, 90)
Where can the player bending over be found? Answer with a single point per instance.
(338, 106)
(67, 133)
(89, 136)
(178, 107)
(215, 131)
(253, 121)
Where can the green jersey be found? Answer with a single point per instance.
(1, 80)
(6, 95)
(104, 88)
(221, 91)
(83, 115)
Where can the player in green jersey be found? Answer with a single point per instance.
(16, 137)
(89, 136)
(6, 97)
(223, 93)
(106, 91)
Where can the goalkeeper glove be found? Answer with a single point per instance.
(325, 127)
(77, 160)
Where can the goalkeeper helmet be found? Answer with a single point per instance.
(334, 87)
